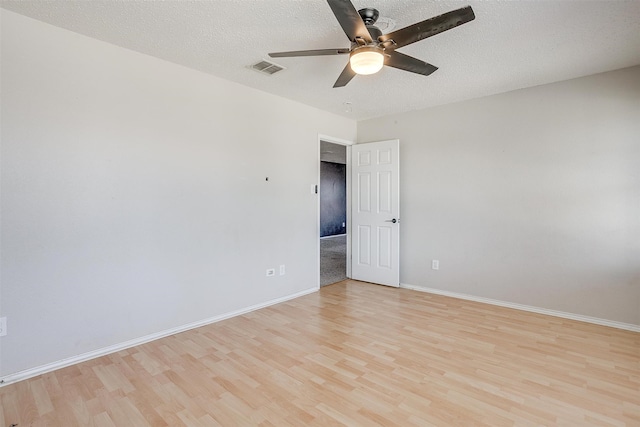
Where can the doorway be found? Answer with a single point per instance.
(333, 196)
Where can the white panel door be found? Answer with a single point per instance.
(375, 220)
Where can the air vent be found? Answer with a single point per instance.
(266, 67)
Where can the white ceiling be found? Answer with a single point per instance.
(510, 44)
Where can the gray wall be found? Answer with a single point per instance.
(334, 153)
(530, 197)
(134, 197)
(333, 199)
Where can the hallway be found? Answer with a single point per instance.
(333, 259)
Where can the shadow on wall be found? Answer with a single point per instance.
(333, 199)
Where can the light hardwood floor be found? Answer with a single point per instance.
(352, 354)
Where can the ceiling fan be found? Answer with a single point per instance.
(370, 49)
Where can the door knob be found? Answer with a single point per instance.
(393, 220)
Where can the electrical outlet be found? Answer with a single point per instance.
(282, 271)
(435, 264)
(271, 272)
(344, 225)
(3, 326)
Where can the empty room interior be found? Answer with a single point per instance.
(162, 231)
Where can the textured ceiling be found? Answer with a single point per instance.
(510, 44)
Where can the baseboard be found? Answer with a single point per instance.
(565, 315)
(49, 367)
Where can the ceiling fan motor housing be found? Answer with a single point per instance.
(374, 31)
(369, 15)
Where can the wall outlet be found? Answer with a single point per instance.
(282, 270)
(271, 272)
(3, 326)
(344, 225)
(435, 264)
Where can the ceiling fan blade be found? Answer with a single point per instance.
(428, 28)
(408, 63)
(350, 20)
(345, 77)
(316, 52)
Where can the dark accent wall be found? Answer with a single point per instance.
(333, 198)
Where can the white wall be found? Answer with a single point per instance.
(529, 197)
(134, 197)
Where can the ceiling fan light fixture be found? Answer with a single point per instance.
(371, 49)
(366, 60)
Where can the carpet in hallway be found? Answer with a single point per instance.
(333, 259)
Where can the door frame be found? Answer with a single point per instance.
(348, 145)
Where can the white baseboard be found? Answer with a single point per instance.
(565, 315)
(43, 369)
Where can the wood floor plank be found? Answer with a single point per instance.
(352, 354)
(103, 420)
